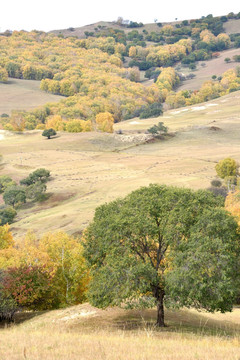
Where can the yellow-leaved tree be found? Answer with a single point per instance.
(105, 122)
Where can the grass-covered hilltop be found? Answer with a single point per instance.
(120, 191)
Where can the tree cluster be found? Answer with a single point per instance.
(31, 188)
(40, 274)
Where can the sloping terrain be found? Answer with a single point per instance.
(83, 332)
(212, 67)
(23, 95)
(89, 169)
(232, 26)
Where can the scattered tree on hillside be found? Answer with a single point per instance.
(158, 129)
(163, 244)
(5, 182)
(227, 60)
(48, 133)
(14, 195)
(40, 175)
(7, 214)
(35, 191)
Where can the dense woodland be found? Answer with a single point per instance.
(101, 73)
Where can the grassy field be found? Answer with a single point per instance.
(23, 95)
(89, 169)
(84, 332)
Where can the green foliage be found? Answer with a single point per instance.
(227, 60)
(152, 110)
(14, 195)
(236, 58)
(158, 129)
(227, 167)
(35, 191)
(205, 271)
(48, 133)
(38, 176)
(136, 245)
(5, 182)
(7, 214)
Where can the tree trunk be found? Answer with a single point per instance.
(159, 294)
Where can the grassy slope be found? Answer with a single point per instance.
(23, 95)
(83, 332)
(212, 67)
(89, 169)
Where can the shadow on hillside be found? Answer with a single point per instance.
(21, 317)
(177, 321)
(181, 321)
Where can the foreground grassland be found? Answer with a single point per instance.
(89, 169)
(84, 332)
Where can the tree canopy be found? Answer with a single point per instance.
(48, 133)
(227, 167)
(163, 245)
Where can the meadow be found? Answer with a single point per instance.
(88, 169)
(84, 332)
(19, 94)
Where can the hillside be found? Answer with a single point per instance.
(232, 26)
(92, 168)
(84, 332)
(212, 67)
(20, 94)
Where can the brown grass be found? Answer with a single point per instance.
(23, 95)
(83, 332)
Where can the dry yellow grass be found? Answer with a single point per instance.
(83, 332)
(89, 169)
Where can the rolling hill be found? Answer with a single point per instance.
(89, 169)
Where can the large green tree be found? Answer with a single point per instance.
(163, 245)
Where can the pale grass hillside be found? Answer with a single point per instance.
(20, 94)
(86, 333)
(89, 169)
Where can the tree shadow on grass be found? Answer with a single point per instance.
(20, 317)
